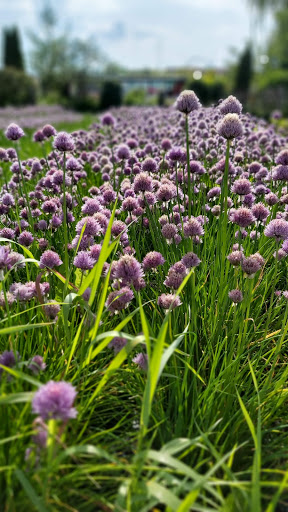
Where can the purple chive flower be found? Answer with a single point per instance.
(230, 106)
(260, 211)
(8, 199)
(128, 269)
(84, 261)
(169, 231)
(235, 258)
(242, 187)
(14, 132)
(52, 309)
(252, 264)
(282, 157)
(49, 131)
(4, 256)
(236, 296)
(108, 120)
(25, 238)
(243, 217)
(187, 101)
(174, 279)
(37, 364)
(9, 359)
(190, 260)
(91, 206)
(119, 299)
(168, 301)
(117, 344)
(285, 246)
(230, 127)
(277, 228)
(92, 227)
(143, 183)
(38, 136)
(149, 165)
(9, 297)
(141, 360)
(63, 142)
(50, 259)
(152, 260)
(54, 400)
(192, 228)
(123, 152)
(95, 251)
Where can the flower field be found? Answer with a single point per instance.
(143, 313)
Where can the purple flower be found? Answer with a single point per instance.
(52, 310)
(48, 130)
(277, 228)
(14, 132)
(38, 136)
(118, 300)
(123, 152)
(8, 358)
(187, 101)
(168, 301)
(92, 227)
(252, 264)
(192, 228)
(235, 258)
(230, 127)
(152, 260)
(260, 211)
(230, 106)
(37, 364)
(169, 231)
(143, 183)
(25, 238)
(149, 165)
(236, 296)
(108, 120)
(84, 261)
(191, 260)
(63, 142)
(4, 256)
(50, 259)
(117, 344)
(128, 269)
(141, 360)
(91, 206)
(54, 400)
(241, 187)
(243, 217)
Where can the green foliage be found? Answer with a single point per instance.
(110, 95)
(16, 88)
(207, 92)
(12, 54)
(244, 73)
(135, 97)
(277, 48)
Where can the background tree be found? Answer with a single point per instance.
(244, 74)
(60, 62)
(12, 53)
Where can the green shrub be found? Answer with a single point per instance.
(110, 95)
(135, 97)
(16, 88)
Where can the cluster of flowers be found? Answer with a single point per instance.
(138, 157)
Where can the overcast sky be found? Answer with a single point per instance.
(149, 33)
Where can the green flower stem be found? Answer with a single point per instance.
(190, 189)
(66, 261)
